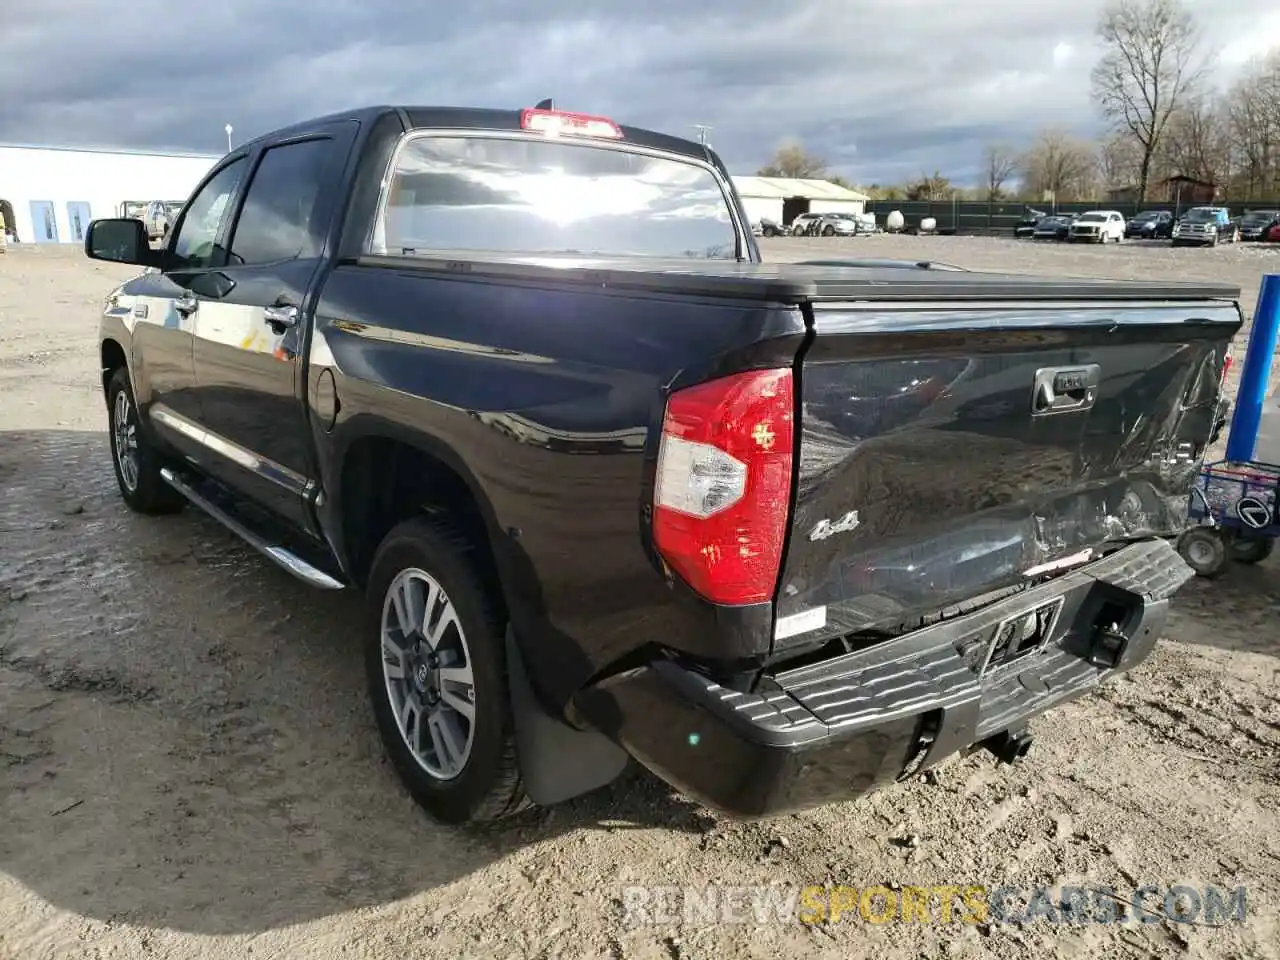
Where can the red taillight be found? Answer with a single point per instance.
(554, 123)
(723, 486)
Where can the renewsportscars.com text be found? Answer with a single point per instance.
(944, 904)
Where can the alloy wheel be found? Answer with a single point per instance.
(427, 668)
(124, 427)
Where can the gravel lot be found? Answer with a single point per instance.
(188, 767)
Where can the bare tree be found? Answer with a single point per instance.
(791, 160)
(936, 187)
(1198, 142)
(1118, 161)
(999, 164)
(1148, 67)
(1253, 119)
(1061, 165)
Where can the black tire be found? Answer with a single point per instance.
(146, 492)
(1205, 551)
(488, 786)
(1251, 549)
(828, 231)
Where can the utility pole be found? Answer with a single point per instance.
(702, 129)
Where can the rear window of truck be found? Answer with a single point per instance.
(526, 195)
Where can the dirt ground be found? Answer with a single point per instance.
(188, 767)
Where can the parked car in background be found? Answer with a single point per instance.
(1026, 226)
(1205, 226)
(1055, 227)
(1273, 233)
(769, 228)
(1150, 225)
(838, 225)
(805, 225)
(1255, 224)
(1097, 226)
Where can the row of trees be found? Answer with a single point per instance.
(1164, 115)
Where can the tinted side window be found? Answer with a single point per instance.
(276, 219)
(194, 244)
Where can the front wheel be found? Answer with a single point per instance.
(136, 460)
(436, 665)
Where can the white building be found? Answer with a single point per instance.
(49, 194)
(782, 199)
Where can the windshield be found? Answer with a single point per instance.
(1259, 216)
(540, 196)
(1201, 215)
(1148, 215)
(1092, 218)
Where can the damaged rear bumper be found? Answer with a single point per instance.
(851, 724)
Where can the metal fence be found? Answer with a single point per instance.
(981, 217)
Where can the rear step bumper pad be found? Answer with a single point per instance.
(851, 724)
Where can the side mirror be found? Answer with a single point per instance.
(119, 240)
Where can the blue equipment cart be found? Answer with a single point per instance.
(1235, 504)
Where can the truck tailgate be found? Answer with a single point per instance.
(948, 454)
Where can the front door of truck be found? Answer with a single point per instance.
(165, 304)
(250, 341)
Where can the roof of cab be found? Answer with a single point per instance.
(480, 118)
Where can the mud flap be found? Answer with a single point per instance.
(557, 762)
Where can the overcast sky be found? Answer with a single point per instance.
(882, 89)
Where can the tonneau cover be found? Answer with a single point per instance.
(797, 282)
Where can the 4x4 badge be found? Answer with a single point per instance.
(826, 528)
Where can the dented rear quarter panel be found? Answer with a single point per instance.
(548, 401)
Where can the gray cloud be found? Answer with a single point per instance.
(883, 89)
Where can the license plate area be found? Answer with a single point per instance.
(1021, 636)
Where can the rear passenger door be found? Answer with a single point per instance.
(251, 340)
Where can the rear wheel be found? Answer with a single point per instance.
(436, 665)
(1205, 551)
(1251, 549)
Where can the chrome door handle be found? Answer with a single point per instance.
(280, 318)
(1065, 389)
(186, 304)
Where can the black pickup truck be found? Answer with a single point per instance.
(612, 487)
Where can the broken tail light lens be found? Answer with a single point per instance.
(722, 493)
(554, 123)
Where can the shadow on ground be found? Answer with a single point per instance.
(1240, 611)
(184, 736)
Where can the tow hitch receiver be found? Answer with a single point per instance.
(1107, 646)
